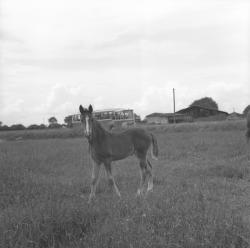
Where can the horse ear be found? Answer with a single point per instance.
(90, 109)
(81, 109)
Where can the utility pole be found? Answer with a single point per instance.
(174, 103)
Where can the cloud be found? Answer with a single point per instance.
(13, 107)
(64, 100)
(13, 110)
(9, 37)
(153, 99)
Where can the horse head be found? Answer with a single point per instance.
(87, 119)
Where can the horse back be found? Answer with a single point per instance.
(140, 138)
(248, 120)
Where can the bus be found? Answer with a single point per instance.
(117, 117)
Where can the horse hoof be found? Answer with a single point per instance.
(138, 193)
(150, 190)
(91, 198)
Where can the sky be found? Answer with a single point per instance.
(58, 54)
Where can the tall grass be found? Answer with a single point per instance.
(200, 198)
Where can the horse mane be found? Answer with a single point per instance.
(99, 132)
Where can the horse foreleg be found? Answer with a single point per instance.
(94, 182)
(111, 178)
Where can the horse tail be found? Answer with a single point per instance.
(150, 165)
(248, 119)
(154, 148)
(248, 127)
(248, 135)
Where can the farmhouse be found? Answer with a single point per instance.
(198, 112)
(165, 118)
(234, 116)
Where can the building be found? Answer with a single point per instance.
(197, 112)
(137, 118)
(234, 116)
(166, 118)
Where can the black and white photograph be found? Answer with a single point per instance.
(125, 124)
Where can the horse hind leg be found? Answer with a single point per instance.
(150, 177)
(143, 172)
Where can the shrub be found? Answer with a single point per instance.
(33, 126)
(4, 128)
(54, 125)
(17, 127)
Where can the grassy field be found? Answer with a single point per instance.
(201, 194)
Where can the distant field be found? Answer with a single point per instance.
(41, 134)
(77, 132)
(201, 194)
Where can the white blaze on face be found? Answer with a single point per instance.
(87, 125)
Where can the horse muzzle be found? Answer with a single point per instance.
(88, 135)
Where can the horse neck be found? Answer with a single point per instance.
(98, 132)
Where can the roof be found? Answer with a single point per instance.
(235, 113)
(111, 110)
(200, 107)
(163, 115)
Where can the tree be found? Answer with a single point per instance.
(1, 123)
(246, 110)
(206, 102)
(52, 120)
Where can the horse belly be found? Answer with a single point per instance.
(121, 150)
